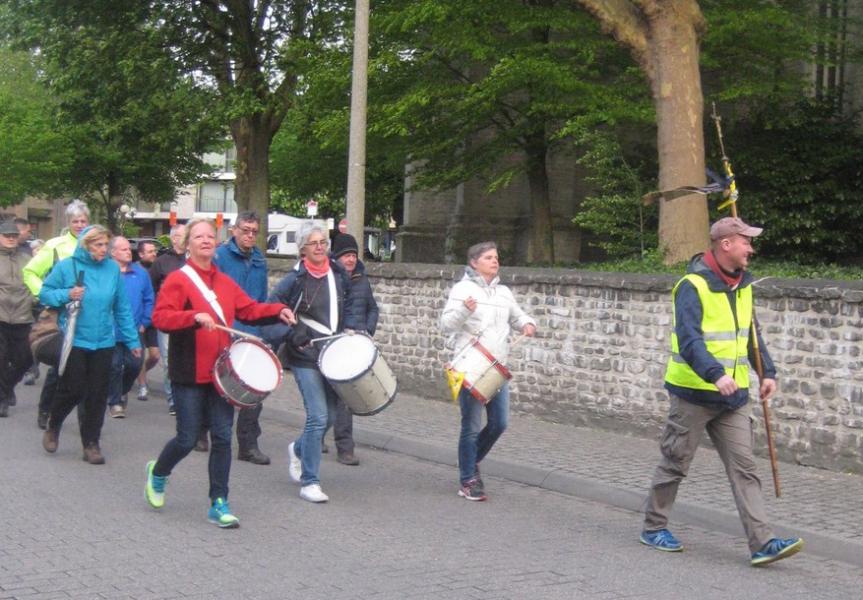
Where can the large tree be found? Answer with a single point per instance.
(135, 118)
(485, 89)
(248, 51)
(663, 37)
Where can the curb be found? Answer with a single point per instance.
(557, 480)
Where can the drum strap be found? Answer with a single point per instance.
(209, 295)
(334, 310)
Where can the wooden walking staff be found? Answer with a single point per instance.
(753, 330)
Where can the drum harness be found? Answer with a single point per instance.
(334, 313)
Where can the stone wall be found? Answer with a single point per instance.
(602, 344)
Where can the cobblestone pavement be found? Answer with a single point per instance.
(394, 528)
(822, 506)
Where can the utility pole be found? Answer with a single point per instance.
(356, 200)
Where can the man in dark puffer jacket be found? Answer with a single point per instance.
(346, 251)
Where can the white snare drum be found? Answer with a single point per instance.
(483, 374)
(358, 373)
(246, 372)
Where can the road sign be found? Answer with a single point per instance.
(312, 208)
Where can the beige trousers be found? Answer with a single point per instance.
(731, 434)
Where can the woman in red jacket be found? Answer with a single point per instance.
(195, 344)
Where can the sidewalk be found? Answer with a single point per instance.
(823, 507)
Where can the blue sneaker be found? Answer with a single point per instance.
(661, 539)
(220, 514)
(154, 488)
(776, 549)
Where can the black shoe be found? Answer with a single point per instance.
(4, 409)
(324, 448)
(254, 456)
(42, 420)
(348, 458)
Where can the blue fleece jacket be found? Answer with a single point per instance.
(139, 290)
(104, 300)
(249, 271)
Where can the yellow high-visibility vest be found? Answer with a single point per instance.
(726, 340)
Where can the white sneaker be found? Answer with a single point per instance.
(295, 467)
(142, 393)
(117, 411)
(313, 493)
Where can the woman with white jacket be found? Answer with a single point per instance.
(479, 308)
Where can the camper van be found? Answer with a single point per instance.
(282, 228)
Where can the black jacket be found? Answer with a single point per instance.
(291, 291)
(365, 307)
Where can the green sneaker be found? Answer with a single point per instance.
(220, 514)
(154, 489)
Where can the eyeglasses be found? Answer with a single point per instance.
(247, 231)
(318, 243)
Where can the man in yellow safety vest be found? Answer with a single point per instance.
(707, 379)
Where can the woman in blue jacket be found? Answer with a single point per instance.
(87, 277)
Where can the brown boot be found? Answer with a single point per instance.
(93, 455)
(49, 440)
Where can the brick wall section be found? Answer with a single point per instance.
(602, 344)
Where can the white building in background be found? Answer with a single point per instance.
(212, 196)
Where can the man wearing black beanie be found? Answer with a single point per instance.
(346, 251)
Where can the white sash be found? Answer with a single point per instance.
(209, 295)
(334, 309)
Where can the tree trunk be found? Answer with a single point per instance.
(541, 250)
(112, 203)
(252, 136)
(676, 86)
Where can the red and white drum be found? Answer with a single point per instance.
(484, 375)
(358, 373)
(246, 372)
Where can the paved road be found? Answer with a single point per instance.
(394, 529)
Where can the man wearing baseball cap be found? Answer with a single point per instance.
(707, 378)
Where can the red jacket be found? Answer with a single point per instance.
(192, 350)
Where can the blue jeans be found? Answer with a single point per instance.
(124, 370)
(199, 405)
(319, 398)
(473, 444)
(163, 352)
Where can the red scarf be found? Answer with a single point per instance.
(731, 280)
(317, 272)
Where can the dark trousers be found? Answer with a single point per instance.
(85, 381)
(248, 428)
(343, 428)
(49, 390)
(15, 357)
(198, 405)
(125, 367)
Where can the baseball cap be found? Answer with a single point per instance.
(728, 226)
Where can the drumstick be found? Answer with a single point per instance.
(329, 337)
(238, 332)
(477, 301)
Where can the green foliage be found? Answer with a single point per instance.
(615, 214)
(652, 262)
(134, 118)
(800, 173)
(473, 86)
(37, 153)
